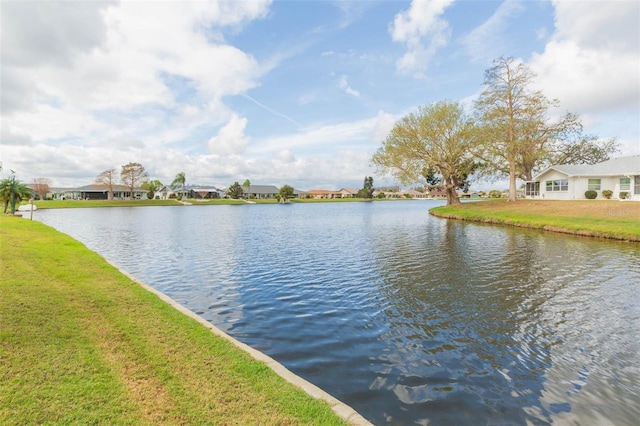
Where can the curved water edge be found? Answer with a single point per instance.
(556, 229)
(406, 317)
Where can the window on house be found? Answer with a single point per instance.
(594, 185)
(532, 189)
(625, 184)
(557, 185)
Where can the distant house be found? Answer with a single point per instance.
(323, 194)
(470, 194)
(570, 182)
(392, 194)
(347, 193)
(438, 193)
(101, 192)
(165, 193)
(260, 191)
(412, 193)
(299, 194)
(199, 192)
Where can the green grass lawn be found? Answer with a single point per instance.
(80, 343)
(607, 219)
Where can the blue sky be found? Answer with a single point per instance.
(285, 92)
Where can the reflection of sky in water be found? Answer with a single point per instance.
(406, 317)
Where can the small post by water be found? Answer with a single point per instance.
(31, 205)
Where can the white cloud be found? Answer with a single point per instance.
(383, 125)
(423, 31)
(286, 156)
(344, 86)
(231, 138)
(50, 32)
(119, 69)
(488, 40)
(592, 61)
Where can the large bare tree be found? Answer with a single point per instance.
(41, 187)
(132, 175)
(519, 134)
(106, 180)
(439, 136)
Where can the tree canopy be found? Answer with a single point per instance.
(152, 186)
(132, 175)
(247, 186)
(41, 187)
(235, 191)
(107, 179)
(366, 191)
(180, 181)
(12, 191)
(520, 137)
(285, 193)
(440, 136)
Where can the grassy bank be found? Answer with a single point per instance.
(80, 343)
(596, 218)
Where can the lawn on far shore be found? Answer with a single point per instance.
(64, 204)
(81, 343)
(597, 218)
(67, 204)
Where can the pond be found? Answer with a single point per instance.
(408, 318)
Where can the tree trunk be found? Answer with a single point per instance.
(513, 195)
(452, 194)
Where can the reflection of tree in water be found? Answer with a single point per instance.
(464, 340)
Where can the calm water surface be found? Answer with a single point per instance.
(408, 318)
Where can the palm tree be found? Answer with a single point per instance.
(180, 180)
(247, 185)
(12, 191)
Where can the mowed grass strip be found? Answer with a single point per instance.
(80, 343)
(613, 219)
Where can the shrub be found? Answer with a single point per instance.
(623, 195)
(591, 194)
(607, 193)
(179, 197)
(494, 193)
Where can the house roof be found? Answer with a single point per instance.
(322, 192)
(261, 189)
(103, 188)
(621, 166)
(348, 190)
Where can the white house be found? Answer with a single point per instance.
(570, 182)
